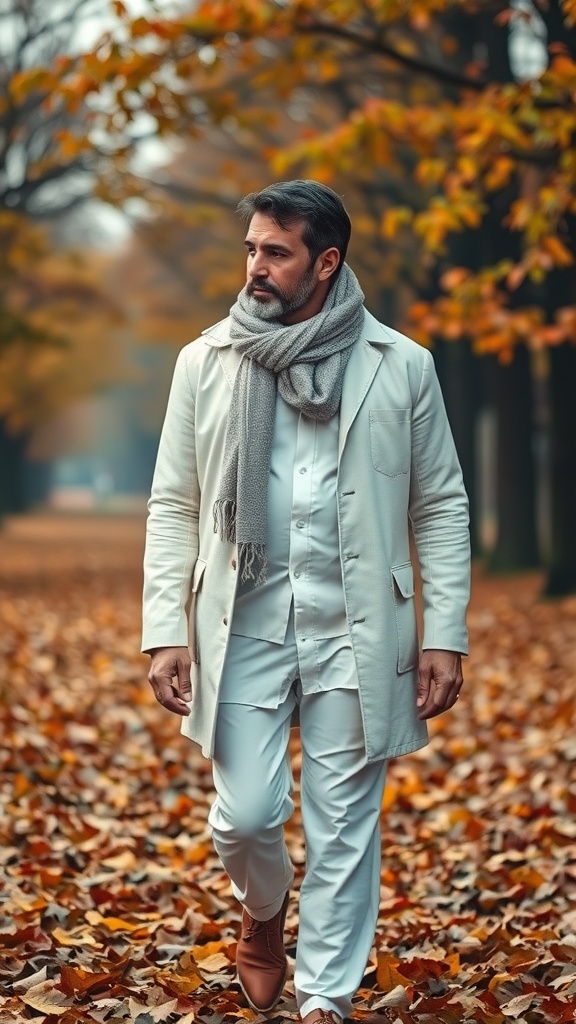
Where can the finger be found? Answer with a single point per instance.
(185, 690)
(169, 699)
(435, 698)
(424, 684)
(184, 681)
(455, 685)
(166, 693)
(177, 706)
(443, 694)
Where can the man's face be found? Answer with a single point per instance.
(280, 278)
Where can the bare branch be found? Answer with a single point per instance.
(375, 44)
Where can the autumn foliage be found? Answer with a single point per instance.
(58, 316)
(114, 905)
(445, 132)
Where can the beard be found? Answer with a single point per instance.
(280, 304)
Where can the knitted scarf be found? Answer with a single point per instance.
(305, 362)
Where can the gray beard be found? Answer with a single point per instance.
(275, 308)
(270, 309)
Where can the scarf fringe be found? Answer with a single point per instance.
(252, 557)
(253, 563)
(224, 513)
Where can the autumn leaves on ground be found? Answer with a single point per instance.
(113, 906)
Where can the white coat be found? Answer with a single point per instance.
(397, 464)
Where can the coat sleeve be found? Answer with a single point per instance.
(439, 515)
(172, 526)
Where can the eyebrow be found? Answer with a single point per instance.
(268, 247)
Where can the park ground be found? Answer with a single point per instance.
(113, 906)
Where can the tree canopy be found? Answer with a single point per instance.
(436, 119)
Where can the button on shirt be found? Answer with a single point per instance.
(302, 602)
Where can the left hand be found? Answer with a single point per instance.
(439, 682)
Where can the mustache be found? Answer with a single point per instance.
(262, 286)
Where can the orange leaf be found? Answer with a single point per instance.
(386, 973)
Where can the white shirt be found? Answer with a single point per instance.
(304, 586)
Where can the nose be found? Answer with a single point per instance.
(257, 265)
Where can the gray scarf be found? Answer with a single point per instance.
(306, 362)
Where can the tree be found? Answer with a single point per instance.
(472, 137)
(46, 170)
(58, 343)
(46, 165)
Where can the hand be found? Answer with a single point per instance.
(439, 682)
(169, 677)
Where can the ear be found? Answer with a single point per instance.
(328, 262)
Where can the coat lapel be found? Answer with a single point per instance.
(360, 372)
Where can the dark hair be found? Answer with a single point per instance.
(326, 222)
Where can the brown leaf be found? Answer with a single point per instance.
(46, 998)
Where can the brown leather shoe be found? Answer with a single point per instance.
(322, 1016)
(261, 959)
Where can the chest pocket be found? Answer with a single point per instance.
(390, 440)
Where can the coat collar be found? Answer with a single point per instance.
(218, 336)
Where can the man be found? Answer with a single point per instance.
(301, 439)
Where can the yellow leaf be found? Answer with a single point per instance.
(77, 937)
(453, 962)
(498, 980)
(430, 171)
(183, 984)
(560, 254)
(207, 950)
(125, 861)
(25, 82)
(468, 168)
(216, 962)
(515, 277)
(471, 215)
(499, 173)
(393, 219)
(112, 924)
(454, 277)
(390, 795)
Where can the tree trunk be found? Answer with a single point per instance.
(37, 482)
(562, 559)
(460, 381)
(516, 545)
(12, 471)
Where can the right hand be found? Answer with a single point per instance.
(169, 677)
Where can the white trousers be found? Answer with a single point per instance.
(341, 797)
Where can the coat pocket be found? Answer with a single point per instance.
(404, 606)
(197, 576)
(390, 440)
